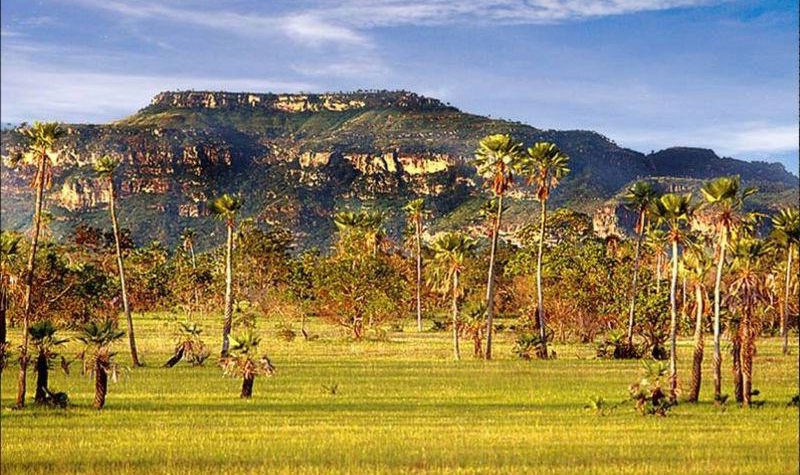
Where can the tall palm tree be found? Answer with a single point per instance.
(747, 290)
(416, 210)
(97, 339)
(696, 264)
(786, 234)
(673, 211)
(44, 340)
(449, 251)
(495, 159)
(544, 166)
(105, 167)
(226, 208)
(722, 195)
(187, 239)
(638, 199)
(42, 138)
(364, 228)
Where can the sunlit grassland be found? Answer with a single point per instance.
(401, 405)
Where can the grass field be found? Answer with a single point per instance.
(401, 406)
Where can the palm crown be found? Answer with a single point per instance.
(545, 165)
(105, 166)
(786, 226)
(495, 160)
(43, 335)
(226, 206)
(672, 209)
(450, 250)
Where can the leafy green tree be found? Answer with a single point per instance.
(450, 250)
(9, 251)
(747, 292)
(544, 166)
(673, 211)
(495, 159)
(105, 167)
(245, 362)
(97, 339)
(44, 340)
(41, 152)
(723, 197)
(786, 234)
(226, 207)
(415, 209)
(638, 199)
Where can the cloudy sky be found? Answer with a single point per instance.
(647, 73)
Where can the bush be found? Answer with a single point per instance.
(615, 346)
(647, 394)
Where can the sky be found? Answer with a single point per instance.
(648, 74)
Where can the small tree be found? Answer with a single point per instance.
(189, 346)
(97, 339)
(245, 362)
(786, 234)
(450, 250)
(44, 340)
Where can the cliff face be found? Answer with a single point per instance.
(297, 158)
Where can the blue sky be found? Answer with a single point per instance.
(647, 73)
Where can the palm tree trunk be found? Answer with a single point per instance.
(227, 321)
(419, 275)
(125, 304)
(100, 386)
(41, 379)
(456, 350)
(539, 301)
(194, 268)
(697, 360)
(723, 244)
(736, 352)
(490, 284)
(746, 357)
(785, 306)
(247, 386)
(673, 359)
(635, 277)
(659, 258)
(37, 223)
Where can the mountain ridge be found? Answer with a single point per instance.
(316, 153)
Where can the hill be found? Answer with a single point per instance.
(297, 158)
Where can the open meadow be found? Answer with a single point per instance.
(400, 405)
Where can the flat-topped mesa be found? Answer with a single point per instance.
(296, 102)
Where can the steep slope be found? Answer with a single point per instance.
(297, 158)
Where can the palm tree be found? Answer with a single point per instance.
(244, 362)
(545, 165)
(416, 210)
(696, 264)
(656, 238)
(747, 290)
(449, 251)
(674, 211)
(363, 228)
(97, 340)
(723, 196)
(638, 199)
(786, 234)
(104, 167)
(225, 208)
(9, 250)
(187, 239)
(44, 340)
(495, 160)
(42, 138)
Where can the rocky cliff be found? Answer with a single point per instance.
(296, 158)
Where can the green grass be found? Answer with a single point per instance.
(401, 406)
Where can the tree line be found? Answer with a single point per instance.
(554, 281)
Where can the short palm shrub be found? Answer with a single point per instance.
(529, 345)
(615, 345)
(244, 362)
(647, 393)
(97, 339)
(45, 341)
(473, 326)
(189, 346)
